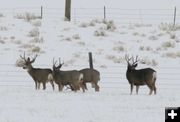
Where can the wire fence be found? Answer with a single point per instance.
(122, 16)
(113, 76)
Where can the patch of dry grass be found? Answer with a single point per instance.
(81, 43)
(148, 61)
(37, 40)
(145, 48)
(34, 32)
(84, 25)
(18, 42)
(119, 49)
(36, 23)
(27, 16)
(110, 25)
(114, 58)
(3, 28)
(19, 63)
(100, 33)
(169, 27)
(36, 49)
(2, 42)
(153, 38)
(168, 44)
(26, 46)
(76, 37)
(172, 54)
(1, 15)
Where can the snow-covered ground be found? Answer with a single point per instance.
(157, 46)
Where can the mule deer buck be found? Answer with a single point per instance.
(140, 77)
(91, 76)
(73, 78)
(38, 75)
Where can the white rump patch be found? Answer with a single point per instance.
(50, 77)
(80, 77)
(154, 76)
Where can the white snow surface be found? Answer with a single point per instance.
(20, 102)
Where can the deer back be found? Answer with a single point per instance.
(66, 77)
(90, 75)
(41, 75)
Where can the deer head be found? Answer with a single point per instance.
(134, 63)
(28, 61)
(57, 68)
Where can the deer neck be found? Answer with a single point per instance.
(30, 70)
(130, 70)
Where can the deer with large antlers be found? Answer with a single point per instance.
(73, 78)
(140, 77)
(38, 75)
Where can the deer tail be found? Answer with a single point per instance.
(50, 77)
(81, 77)
(154, 76)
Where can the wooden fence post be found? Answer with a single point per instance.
(68, 10)
(174, 23)
(104, 12)
(41, 12)
(90, 60)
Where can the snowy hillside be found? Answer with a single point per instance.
(157, 46)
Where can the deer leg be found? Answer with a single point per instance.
(82, 86)
(96, 87)
(38, 85)
(85, 86)
(52, 84)
(151, 89)
(154, 89)
(93, 84)
(137, 89)
(78, 87)
(61, 87)
(72, 88)
(44, 86)
(131, 89)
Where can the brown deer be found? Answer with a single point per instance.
(73, 78)
(91, 76)
(38, 75)
(140, 77)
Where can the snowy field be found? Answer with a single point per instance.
(156, 44)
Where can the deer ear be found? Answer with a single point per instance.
(28, 59)
(135, 65)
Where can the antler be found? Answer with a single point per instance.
(60, 64)
(34, 58)
(134, 62)
(23, 57)
(127, 58)
(54, 63)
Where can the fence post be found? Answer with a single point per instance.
(104, 12)
(68, 10)
(90, 60)
(174, 23)
(41, 12)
